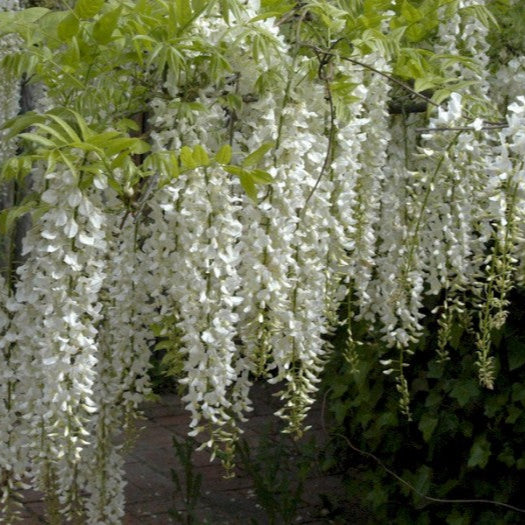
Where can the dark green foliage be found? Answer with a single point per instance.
(278, 472)
(463, 442)
(187, 482)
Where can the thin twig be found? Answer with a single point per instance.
(406, 483)
(371, 68)
(329, 150)
(462, 128)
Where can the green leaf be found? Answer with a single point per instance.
(235, 170)
(21, 21)
(201, 156)
(88, 8)
(172, 165)
(464, 391)
(514, 413)
(139, 147)
(33, 137)
(9, 216)
(186, 158)
(46, 30)
(117, 145)
(516, 353)
(248, 185)
(224, 155)
(261, 177)
(126, 124)
(507, 456)
(255, 157)
(72, 134)
(16, 168)
(410, 13)
(520, 464)
(18, 124)
(68, 27)
(479, 453)
(85, 131)
(53, 132)
(105, 25)
(427, 425)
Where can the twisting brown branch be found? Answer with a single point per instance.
(406, 483)
(400, 83)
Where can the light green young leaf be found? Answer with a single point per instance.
(53, 132)
(85, 132)
(410, 13)
(21, 122)
(71, 133)
(9, 216)
(139, 147)
(104, 27)
(33, 137)
(119, 144)
(172, 165)
(248, 185)
(20, 21)
(101, 139)
(126, 124)
(224, 155)
(69, 163)
(68, 27)
(256, 156)
(186, 158)
(88, 8)
(235, 170)
(201, 156)
(261, 177)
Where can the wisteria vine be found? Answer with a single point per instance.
(250, 194)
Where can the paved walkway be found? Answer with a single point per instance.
(151, 494)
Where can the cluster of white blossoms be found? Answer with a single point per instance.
(239, 267)
(56, 314)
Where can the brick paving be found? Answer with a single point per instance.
(150, 491)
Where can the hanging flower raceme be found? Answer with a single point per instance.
(56, 318)
(123, 340)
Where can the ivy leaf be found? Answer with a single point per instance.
(224, 155)
(516, 350)
(479, 453)
(464, 391)
(520, 464)
(68, 27)
(427, 425)
(256, 156)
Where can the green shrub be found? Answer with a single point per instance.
(462, 442)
